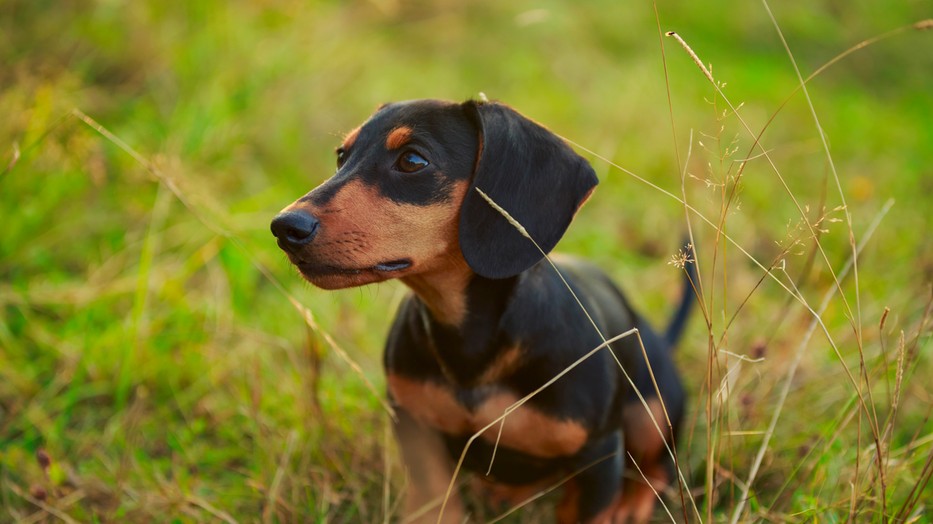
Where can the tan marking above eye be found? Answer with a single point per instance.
(350, 138)
(398, 137)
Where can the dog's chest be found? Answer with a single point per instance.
(495, 413)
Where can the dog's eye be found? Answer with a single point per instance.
(410, 162)
(341, 156)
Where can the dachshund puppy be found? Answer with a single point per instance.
(489, 321)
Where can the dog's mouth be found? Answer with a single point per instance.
(313, 269)
(393, 265)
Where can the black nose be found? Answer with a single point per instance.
(294, 229)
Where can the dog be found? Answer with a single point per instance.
(490, 320)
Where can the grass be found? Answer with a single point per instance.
(153, 366)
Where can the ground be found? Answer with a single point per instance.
(159, 359)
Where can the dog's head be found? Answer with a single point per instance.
(403, 199)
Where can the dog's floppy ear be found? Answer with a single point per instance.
(532, 174)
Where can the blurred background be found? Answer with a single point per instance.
(154, 367)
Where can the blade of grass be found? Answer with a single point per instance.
(273, 494)
(39, 504)
(857, 321)
(14, 158)
(792, 370)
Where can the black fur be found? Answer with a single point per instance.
(531, 174)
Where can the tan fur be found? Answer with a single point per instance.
(636, 421)
(398, 137)
(360, 228)
(526, 428)
(506, 362)
(444, 292)
(350, 138)
(429, 472)
(638, 498)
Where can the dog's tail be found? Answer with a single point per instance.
(687, 297)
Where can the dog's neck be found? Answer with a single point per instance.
(462, 315)
(444, 292)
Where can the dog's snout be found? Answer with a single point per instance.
(295, 229)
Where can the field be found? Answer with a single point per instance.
(161, 361)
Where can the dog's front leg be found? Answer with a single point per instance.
(429, 470)
(591, 495)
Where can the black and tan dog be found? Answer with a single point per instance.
(490, 321)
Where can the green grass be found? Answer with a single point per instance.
(147, 343)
